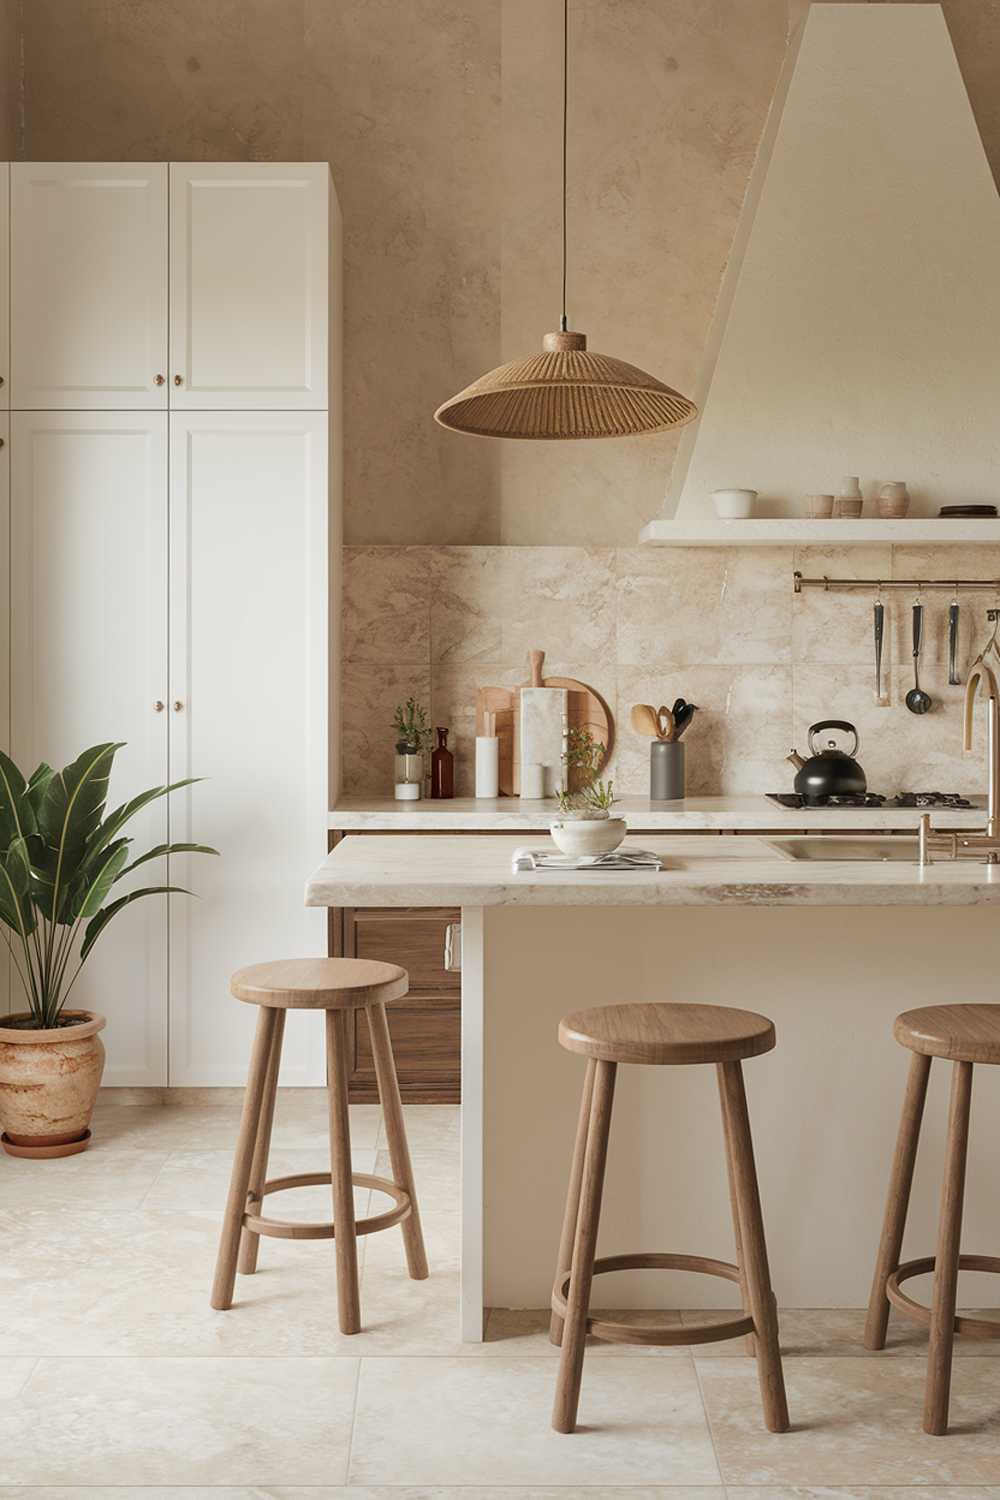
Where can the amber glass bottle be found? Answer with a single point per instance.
(442, 767)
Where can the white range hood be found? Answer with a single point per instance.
(858, 325)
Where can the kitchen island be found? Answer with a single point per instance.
(830, 950)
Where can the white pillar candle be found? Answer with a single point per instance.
(487, 766)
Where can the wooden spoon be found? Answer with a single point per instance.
(665, 722)
(644, 721)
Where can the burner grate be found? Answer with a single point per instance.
(795, 802)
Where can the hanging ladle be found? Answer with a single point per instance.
(917, 701)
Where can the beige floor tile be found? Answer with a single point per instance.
(200, 1180)
(433, 1492)
(863, 1492)
(301, 1121)
(116, 1179)
(454, 1421)
(838, 1331)
(517, 1331)
(384, 1251)
(138, 1283)
(429, 1127)
(14, 1374)
(436, 1176)
(187, 1421)
(855, 1422)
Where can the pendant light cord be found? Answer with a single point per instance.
(563, 325)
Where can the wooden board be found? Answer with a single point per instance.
(586, 710)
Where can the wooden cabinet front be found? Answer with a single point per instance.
(425, 1026)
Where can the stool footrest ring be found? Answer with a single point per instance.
(290, 1229)
(976, 1328)
(631, 1333)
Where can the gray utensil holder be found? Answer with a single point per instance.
(666, 770)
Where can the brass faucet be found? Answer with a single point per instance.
(987, 843)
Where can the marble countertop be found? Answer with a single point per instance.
(738, 870)
(692, 814)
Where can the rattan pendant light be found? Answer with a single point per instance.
(565, 392)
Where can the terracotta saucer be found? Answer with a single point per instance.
(68, 1148)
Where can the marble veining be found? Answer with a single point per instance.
(718, 626)
(735, 871)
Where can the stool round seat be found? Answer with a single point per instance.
(320, 983)
(961, 1033)
(666, 1034)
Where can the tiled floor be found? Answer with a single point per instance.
(116, 1378)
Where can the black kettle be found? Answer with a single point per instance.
(829, 772)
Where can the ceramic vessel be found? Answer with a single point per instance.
(893, 500)
(734, 505)
(48, 1084)
(819, 507)
(589, 835)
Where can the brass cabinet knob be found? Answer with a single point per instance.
(178, 706)
(158, 706)
(178, 380)
(159, 379)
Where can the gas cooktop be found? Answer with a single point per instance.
(795, 801)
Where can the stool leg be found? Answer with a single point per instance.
(573, 1196)
(395, 1131)
(754, 1250)
(345, 1239)
(250, 1242)
(898, 1201)
(938, 1390)
(727, 1131)
(584, 1249)
(229, 1243)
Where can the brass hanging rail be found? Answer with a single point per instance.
(955, 585)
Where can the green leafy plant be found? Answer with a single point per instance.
(582, 761)
(60, 858)
(410, 724)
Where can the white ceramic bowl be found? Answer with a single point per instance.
(582, 836)
(734, 505)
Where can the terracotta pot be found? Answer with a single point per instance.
(48, 1084)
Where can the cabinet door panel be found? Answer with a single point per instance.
(4, 285)
(89, 279)
(415, 940)
(89, 662)
(426, 1041)
(4, 646)
(249, 624)
(248, 286)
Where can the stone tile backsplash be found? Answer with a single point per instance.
(719, 626)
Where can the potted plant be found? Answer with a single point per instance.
(585, 825)
(412, 738)
(60, 858)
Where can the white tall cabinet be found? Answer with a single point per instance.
(172, 445)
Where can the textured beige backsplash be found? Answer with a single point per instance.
(718, 626)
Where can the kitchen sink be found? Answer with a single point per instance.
(823, 847)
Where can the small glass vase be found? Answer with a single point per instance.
(408, 773)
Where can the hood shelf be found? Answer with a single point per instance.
(777, 531)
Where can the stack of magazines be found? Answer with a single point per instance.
(552, 859)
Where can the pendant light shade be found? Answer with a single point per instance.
(565, 392)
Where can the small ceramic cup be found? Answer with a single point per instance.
(734, 505)
(893, 500)
(849, 507)
(819, 507)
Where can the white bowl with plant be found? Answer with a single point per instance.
(585, 827)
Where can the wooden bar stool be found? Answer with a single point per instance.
(670, 1035)
(336, 986)
(965, 1035)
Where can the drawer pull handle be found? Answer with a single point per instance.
(453, 948)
